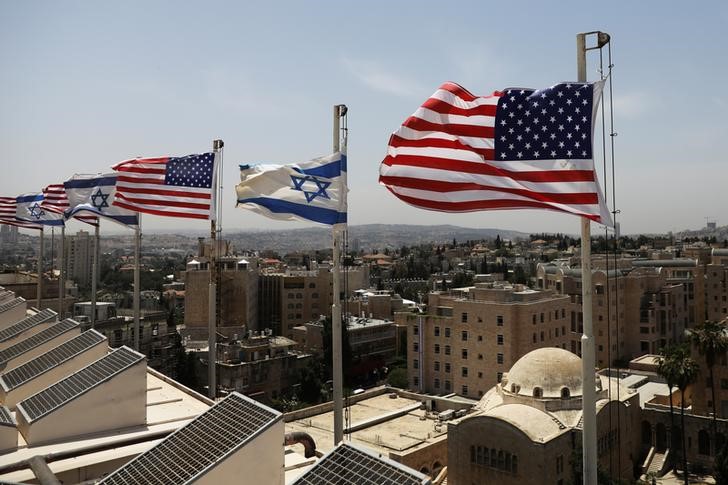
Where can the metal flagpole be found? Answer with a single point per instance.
(40, 269)
(337, 361)
(62, 274)
(95, 275)
(137, 275)
(589, 412)
(217, 146)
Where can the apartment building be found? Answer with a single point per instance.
(78, 258)
(470, 337)
(716, 286)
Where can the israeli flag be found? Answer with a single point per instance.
(94, 194)
(28, 209)
(310, 191)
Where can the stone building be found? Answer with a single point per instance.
(527, 429)
(471, 336)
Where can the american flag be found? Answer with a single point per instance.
(56, 200)
(516, 149)
(166, 186)
(8, 207)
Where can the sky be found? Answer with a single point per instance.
(84, 85)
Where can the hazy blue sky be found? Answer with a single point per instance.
(86, 84)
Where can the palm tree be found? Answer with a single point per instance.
(687, 373)
(712, 342)
(667, 368)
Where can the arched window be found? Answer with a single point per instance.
(479, 458)
(472, 453)
(436, 468)
(493, 458)
(501, 460)
(565, 393)
(537, 392)
(508, 462)
(703, 442)
(513, 388)
(514, 464)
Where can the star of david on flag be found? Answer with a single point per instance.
(310, 191)
(94, 194)
(29, 209)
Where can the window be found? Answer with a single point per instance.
(499, 339)
(465, 390)
(437, 383)
(464, 335)
(464, 372)
(535, 338)
(644, 329)
(464, 353)
(437, 366)
(464, 317)
(480, 356)
(416, 381)
(534, 319)
(447, 350)
(448, 386)
(542, 318)
(499, 320)
(480, 338)
(480, 375)
(499, 358)
(312, 285)
(565, 393)
(437, 331)
(447, 332)
(537, 392)
(499, 376)
(447, 367)
(416, 330)
(437, 348)
(724, 383)
(415, 346)
(542, 336)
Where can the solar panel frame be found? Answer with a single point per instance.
(66, 390)
(11, 304)
(193, 450)
(348, 464)
(27, 323)
(63, 353)
(6, 417)
(37, 339)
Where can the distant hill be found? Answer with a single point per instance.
(369, 236)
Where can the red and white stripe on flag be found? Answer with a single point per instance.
(446, 157)
(56, 200)
(8, 206)
(167, 186)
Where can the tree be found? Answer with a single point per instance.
(397, 378)
(711, 341)
(687, 373)
(667, 368)
(720, 471)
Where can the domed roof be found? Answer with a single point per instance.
(546, 373)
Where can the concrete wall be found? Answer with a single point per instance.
(117, 403)
(58, 372)
(261, 460)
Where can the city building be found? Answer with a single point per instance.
(259, 365)
(78, 258)
(470, 337)
(528, 427)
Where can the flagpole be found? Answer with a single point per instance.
(94, 275)
(217, 146)
(336, 330)
(62, 274)
(137, 273)
(589, 415)
(40, 269)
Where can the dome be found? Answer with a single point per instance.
(549, 372)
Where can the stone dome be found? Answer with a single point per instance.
(549, 372)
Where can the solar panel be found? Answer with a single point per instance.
(11, 304)
(55, 396)
(27, 323)
(195, 448)
(6, 417)
(37, 339)
(348, 464)
(64, 352)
